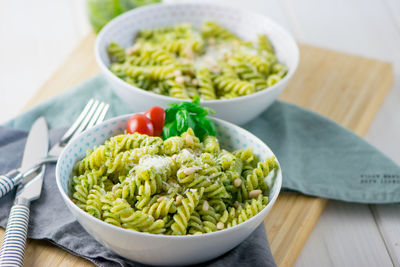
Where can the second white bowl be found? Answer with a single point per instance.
(246, 25)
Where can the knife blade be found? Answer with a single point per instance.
(35, 147)
(37, 144)
(14, 241)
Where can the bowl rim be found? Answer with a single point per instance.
(69, 203)
(114, 22)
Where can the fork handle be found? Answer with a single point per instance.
(13, 247)
(9, 181)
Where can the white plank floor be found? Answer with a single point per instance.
(36, 36)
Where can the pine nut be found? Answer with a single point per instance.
(178, 73)
(215, 69)
(178, 200)
(236, 204)
(211, 41)
(172, 180)
(205, 205)
(189, 140)
(189, 171)
(220, 225)
(254, 193)
(160, 199)
(195, 82)
(133, 49)
(164, 186)
(237, 182)
(189, 52)
(180, 79)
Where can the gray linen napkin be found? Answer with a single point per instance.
(51, 220)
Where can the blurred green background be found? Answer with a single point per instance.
(102, 11)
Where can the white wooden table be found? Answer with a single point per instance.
(36, 36)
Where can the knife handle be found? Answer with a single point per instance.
(13, 247)
(9, 181)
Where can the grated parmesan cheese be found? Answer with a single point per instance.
(159, 163)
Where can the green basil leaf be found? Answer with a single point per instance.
(193, 108)
(182, 117)
(192, 122)
(208, 126)
(199, 132)
(170, 114)
(169, 130)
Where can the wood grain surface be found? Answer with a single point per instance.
(348, 89)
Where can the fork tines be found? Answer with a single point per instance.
(93, 113)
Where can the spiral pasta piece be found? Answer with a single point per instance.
(247, 157)
(176, 89)
(245, 211)
(137, 73)
(210, 219)
(125, 142)
(116, 52)
(236, 86)
(195, 224)
(142, 60)
(94, 203)
(255, 179)
(206, 87)
(273, 79)
(136, 220)
(264, 44)
(279, 69)
(181, 218)
(211, 29)
(211, 145)
(173, 145)
(160, 209)
(262, 66)
(248, 73)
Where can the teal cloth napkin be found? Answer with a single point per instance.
(318, 157)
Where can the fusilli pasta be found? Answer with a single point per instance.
(183, 62)
(176, 186)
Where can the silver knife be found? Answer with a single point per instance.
(25, 173)
(13, 247)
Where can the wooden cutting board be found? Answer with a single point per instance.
(345, 88)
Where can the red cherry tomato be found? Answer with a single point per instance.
(157, 115)
(141, 124)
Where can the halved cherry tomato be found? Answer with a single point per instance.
(157, 115)
(141, 124)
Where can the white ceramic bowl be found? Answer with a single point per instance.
(246, 25)
(162, 249)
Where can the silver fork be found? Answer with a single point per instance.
(92, 114)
